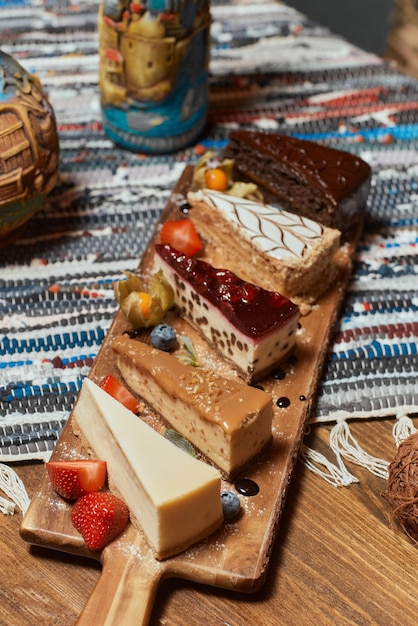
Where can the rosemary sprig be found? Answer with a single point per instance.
(190, 357)
(179, 441)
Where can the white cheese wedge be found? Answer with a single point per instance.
(172, 496)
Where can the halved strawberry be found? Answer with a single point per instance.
(72, 479)
(182, 235)
(118, 391)
(99, 517)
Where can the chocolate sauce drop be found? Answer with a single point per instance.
(302, 398)
(278, 374)
(246, 487)
(184, 208)
(283, 402)
(132, 334)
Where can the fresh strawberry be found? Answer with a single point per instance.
(99, 517)
(118, 391)
(181, 235)
(72, 479)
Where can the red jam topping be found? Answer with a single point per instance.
(251, 309)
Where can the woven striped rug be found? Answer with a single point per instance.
(271, 68)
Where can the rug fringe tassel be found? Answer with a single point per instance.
(343, 444)
(345, 448)
(6, 507)
(14, 488)
(338, 476)
(403, 428)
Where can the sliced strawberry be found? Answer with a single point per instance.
(99, 517)
(182, 235)
(72, 479)
(118, 391)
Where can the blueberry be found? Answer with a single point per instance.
(230, 504)
(163, 337)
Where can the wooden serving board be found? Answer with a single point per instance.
(236, 556)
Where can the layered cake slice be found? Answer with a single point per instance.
(172, 496)
(266, 245)
(251, 327)
(228, 421)
(328, 185)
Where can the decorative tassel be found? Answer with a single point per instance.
(6, 507)
(403, 428)
(344, 445)
(338, 476)
(14, 488)
(346, 448)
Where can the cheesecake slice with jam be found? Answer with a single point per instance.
(251, 327)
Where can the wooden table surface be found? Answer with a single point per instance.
(337, 561)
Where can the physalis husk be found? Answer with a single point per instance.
(144, 309)
(239, 189)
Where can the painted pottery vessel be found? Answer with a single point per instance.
(153, 74)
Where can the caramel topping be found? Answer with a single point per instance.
(222, 401)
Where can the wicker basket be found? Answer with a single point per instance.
(29, 147)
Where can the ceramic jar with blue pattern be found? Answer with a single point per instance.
(153, 74)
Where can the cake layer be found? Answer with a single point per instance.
(266, 245)
(328, 185)
(251, 327)
(172, 496)
(228, 421)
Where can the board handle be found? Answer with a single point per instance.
(126, 589)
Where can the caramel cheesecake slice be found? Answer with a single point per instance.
(228, 421)
(172, 496)
(267, 245)
(327, 185)
(252, 328)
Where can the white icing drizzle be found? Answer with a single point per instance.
(273, 230)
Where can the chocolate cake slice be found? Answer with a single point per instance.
(328, 185)
(251, 327)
